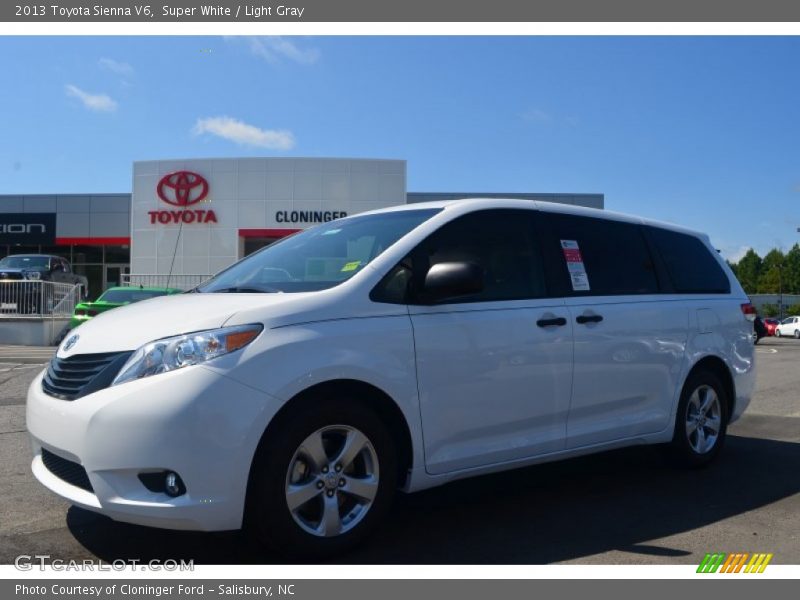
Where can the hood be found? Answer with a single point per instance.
(133, 325)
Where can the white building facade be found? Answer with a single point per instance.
(196, 217)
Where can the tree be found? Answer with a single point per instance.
(794, 309)
(748, 270)
(769, 279)
(791, 272)
(769, 310)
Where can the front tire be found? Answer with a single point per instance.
(701, 422)
(322, 480)
(777, 333)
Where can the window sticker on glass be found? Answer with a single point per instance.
(351, 266)
(577, 272)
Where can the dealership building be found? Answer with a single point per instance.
(187, 219)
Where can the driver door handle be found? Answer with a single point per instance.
(556, 321)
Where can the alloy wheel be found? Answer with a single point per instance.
(703, 419)
(332, 480)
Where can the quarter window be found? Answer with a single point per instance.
(690, 265)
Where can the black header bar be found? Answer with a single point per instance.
(318, 11)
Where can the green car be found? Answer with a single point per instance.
(114, 297)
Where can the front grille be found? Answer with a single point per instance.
(66, 470)
(82, 374)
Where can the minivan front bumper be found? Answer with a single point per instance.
(195, 422)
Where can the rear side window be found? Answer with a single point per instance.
(690, 265)
(597, 257)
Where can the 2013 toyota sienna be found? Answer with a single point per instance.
(295, 391)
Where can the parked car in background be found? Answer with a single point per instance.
(114, 298)
(770, 324)
(790, 326)
(759, 329)
(39, 267)
(289, 393)
(22, 292)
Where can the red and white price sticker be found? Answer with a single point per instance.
(577, 272)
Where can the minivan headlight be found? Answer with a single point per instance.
(181, 351)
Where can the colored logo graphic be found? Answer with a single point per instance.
(182, 188)
(738, 562)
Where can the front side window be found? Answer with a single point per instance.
(500, 241)
(599, 257)
(318, 258)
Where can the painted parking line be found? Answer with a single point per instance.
(767, 350)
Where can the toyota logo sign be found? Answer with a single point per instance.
(182, 188)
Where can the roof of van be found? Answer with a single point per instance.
(556, 207)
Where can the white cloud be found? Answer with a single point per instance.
(120, 68)
(734, 253)
(242, 133)
(275, 49)
(96, 102)
(536, 115)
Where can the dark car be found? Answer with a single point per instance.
(19, 277)
(759, 329)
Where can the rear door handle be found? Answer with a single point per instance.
(583, 319)
(556, 321)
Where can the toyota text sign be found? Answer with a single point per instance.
(182, 189)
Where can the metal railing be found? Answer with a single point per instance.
(182, 282)
(37, 299)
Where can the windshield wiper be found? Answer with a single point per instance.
(244, 290)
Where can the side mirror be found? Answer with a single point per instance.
(451, 280)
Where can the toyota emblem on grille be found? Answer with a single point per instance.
(71, 342)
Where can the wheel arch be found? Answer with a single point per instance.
(716, 365)
(372, 397)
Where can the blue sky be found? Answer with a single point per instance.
(700, 131)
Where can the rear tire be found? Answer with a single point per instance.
(797, 334)
(309, 495)
(701, 421)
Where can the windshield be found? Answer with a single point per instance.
(26, 262)
(320, 257)
(132, 295)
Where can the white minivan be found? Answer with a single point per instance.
(294, 392)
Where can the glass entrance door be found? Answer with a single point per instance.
(113, 275)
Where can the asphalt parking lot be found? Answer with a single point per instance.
(624, 507)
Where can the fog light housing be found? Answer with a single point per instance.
(163, 482)
(173, 484)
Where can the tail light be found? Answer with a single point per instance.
(80, 311)
(92, 313)
(749, 311)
